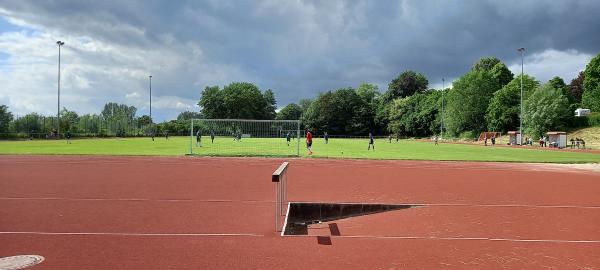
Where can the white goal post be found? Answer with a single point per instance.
(244, 137)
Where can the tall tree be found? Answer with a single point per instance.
(243, 100)
(271, 104)
(505, 106)
(187, 115)
(546, 109)
(406, 84)
(417, 115)
(304, 104)
(576, 87)
(68, 120)
(5, 118)
(498, 69)
(337, 112)
(468, 101)
(591, 94)
(114, 110)
(238, 100)
(212, 103)
(144, 120)
(290, 112)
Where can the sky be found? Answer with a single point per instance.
(296, 48)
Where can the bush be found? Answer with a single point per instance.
(593, 120)
(469, 135)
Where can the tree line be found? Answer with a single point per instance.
(486, 98)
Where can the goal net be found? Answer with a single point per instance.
(239, 137)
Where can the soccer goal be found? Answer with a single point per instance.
(240, 137)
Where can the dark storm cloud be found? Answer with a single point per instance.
(298, 48)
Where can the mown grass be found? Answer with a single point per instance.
(337, 148)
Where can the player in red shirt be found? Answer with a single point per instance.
(309, 141)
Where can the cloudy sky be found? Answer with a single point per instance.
(296, 48)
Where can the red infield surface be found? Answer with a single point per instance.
(218, 213)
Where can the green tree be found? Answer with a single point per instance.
(114, 110)
(30, 123)
(187, 115)
(212, 103)
(498, 69)
(238, 100)
(591, 94)
(243, 100)
(270, 106)
(468, 101)
(68, 120)
(417, 115)
(304, 104)
(90, 124)
(406, 84)
(366, 112)
(559, 83)
(337, 112)
(546, 109)
(290, 112)
(5, 118)
(505, 106)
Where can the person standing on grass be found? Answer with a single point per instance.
(493, 139)
(288, 138)
(326, 136)
(371, 142)
(309, 141)
(485, 140)
(390, 137)
(436, 139)
(68, 136)
(198, 138)
(212, 136)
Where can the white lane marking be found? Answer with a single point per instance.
(136, 234)
(330, 202)
(130, 199)
(457, 238)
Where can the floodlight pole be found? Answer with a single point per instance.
(59, 43)
(521, 50)
(150, 98)
(442, 122)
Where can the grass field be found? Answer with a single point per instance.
(337, 148)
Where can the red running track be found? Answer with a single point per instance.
(82, 212)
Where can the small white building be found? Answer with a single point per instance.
(582, 112)
(514, 138)
(557, 139)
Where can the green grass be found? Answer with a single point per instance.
(337, 148)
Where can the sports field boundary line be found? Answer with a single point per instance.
(455, 239)
(135, 234)
(131, 199)
(457, 204)
(268, 201)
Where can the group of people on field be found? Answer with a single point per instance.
(309, 140)
(577, 142)
(199, 137)
(493, 139)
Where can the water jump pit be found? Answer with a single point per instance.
(301, 215)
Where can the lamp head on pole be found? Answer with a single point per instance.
(60, 43)
(521, 49)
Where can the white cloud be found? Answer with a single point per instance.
(549, 63)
